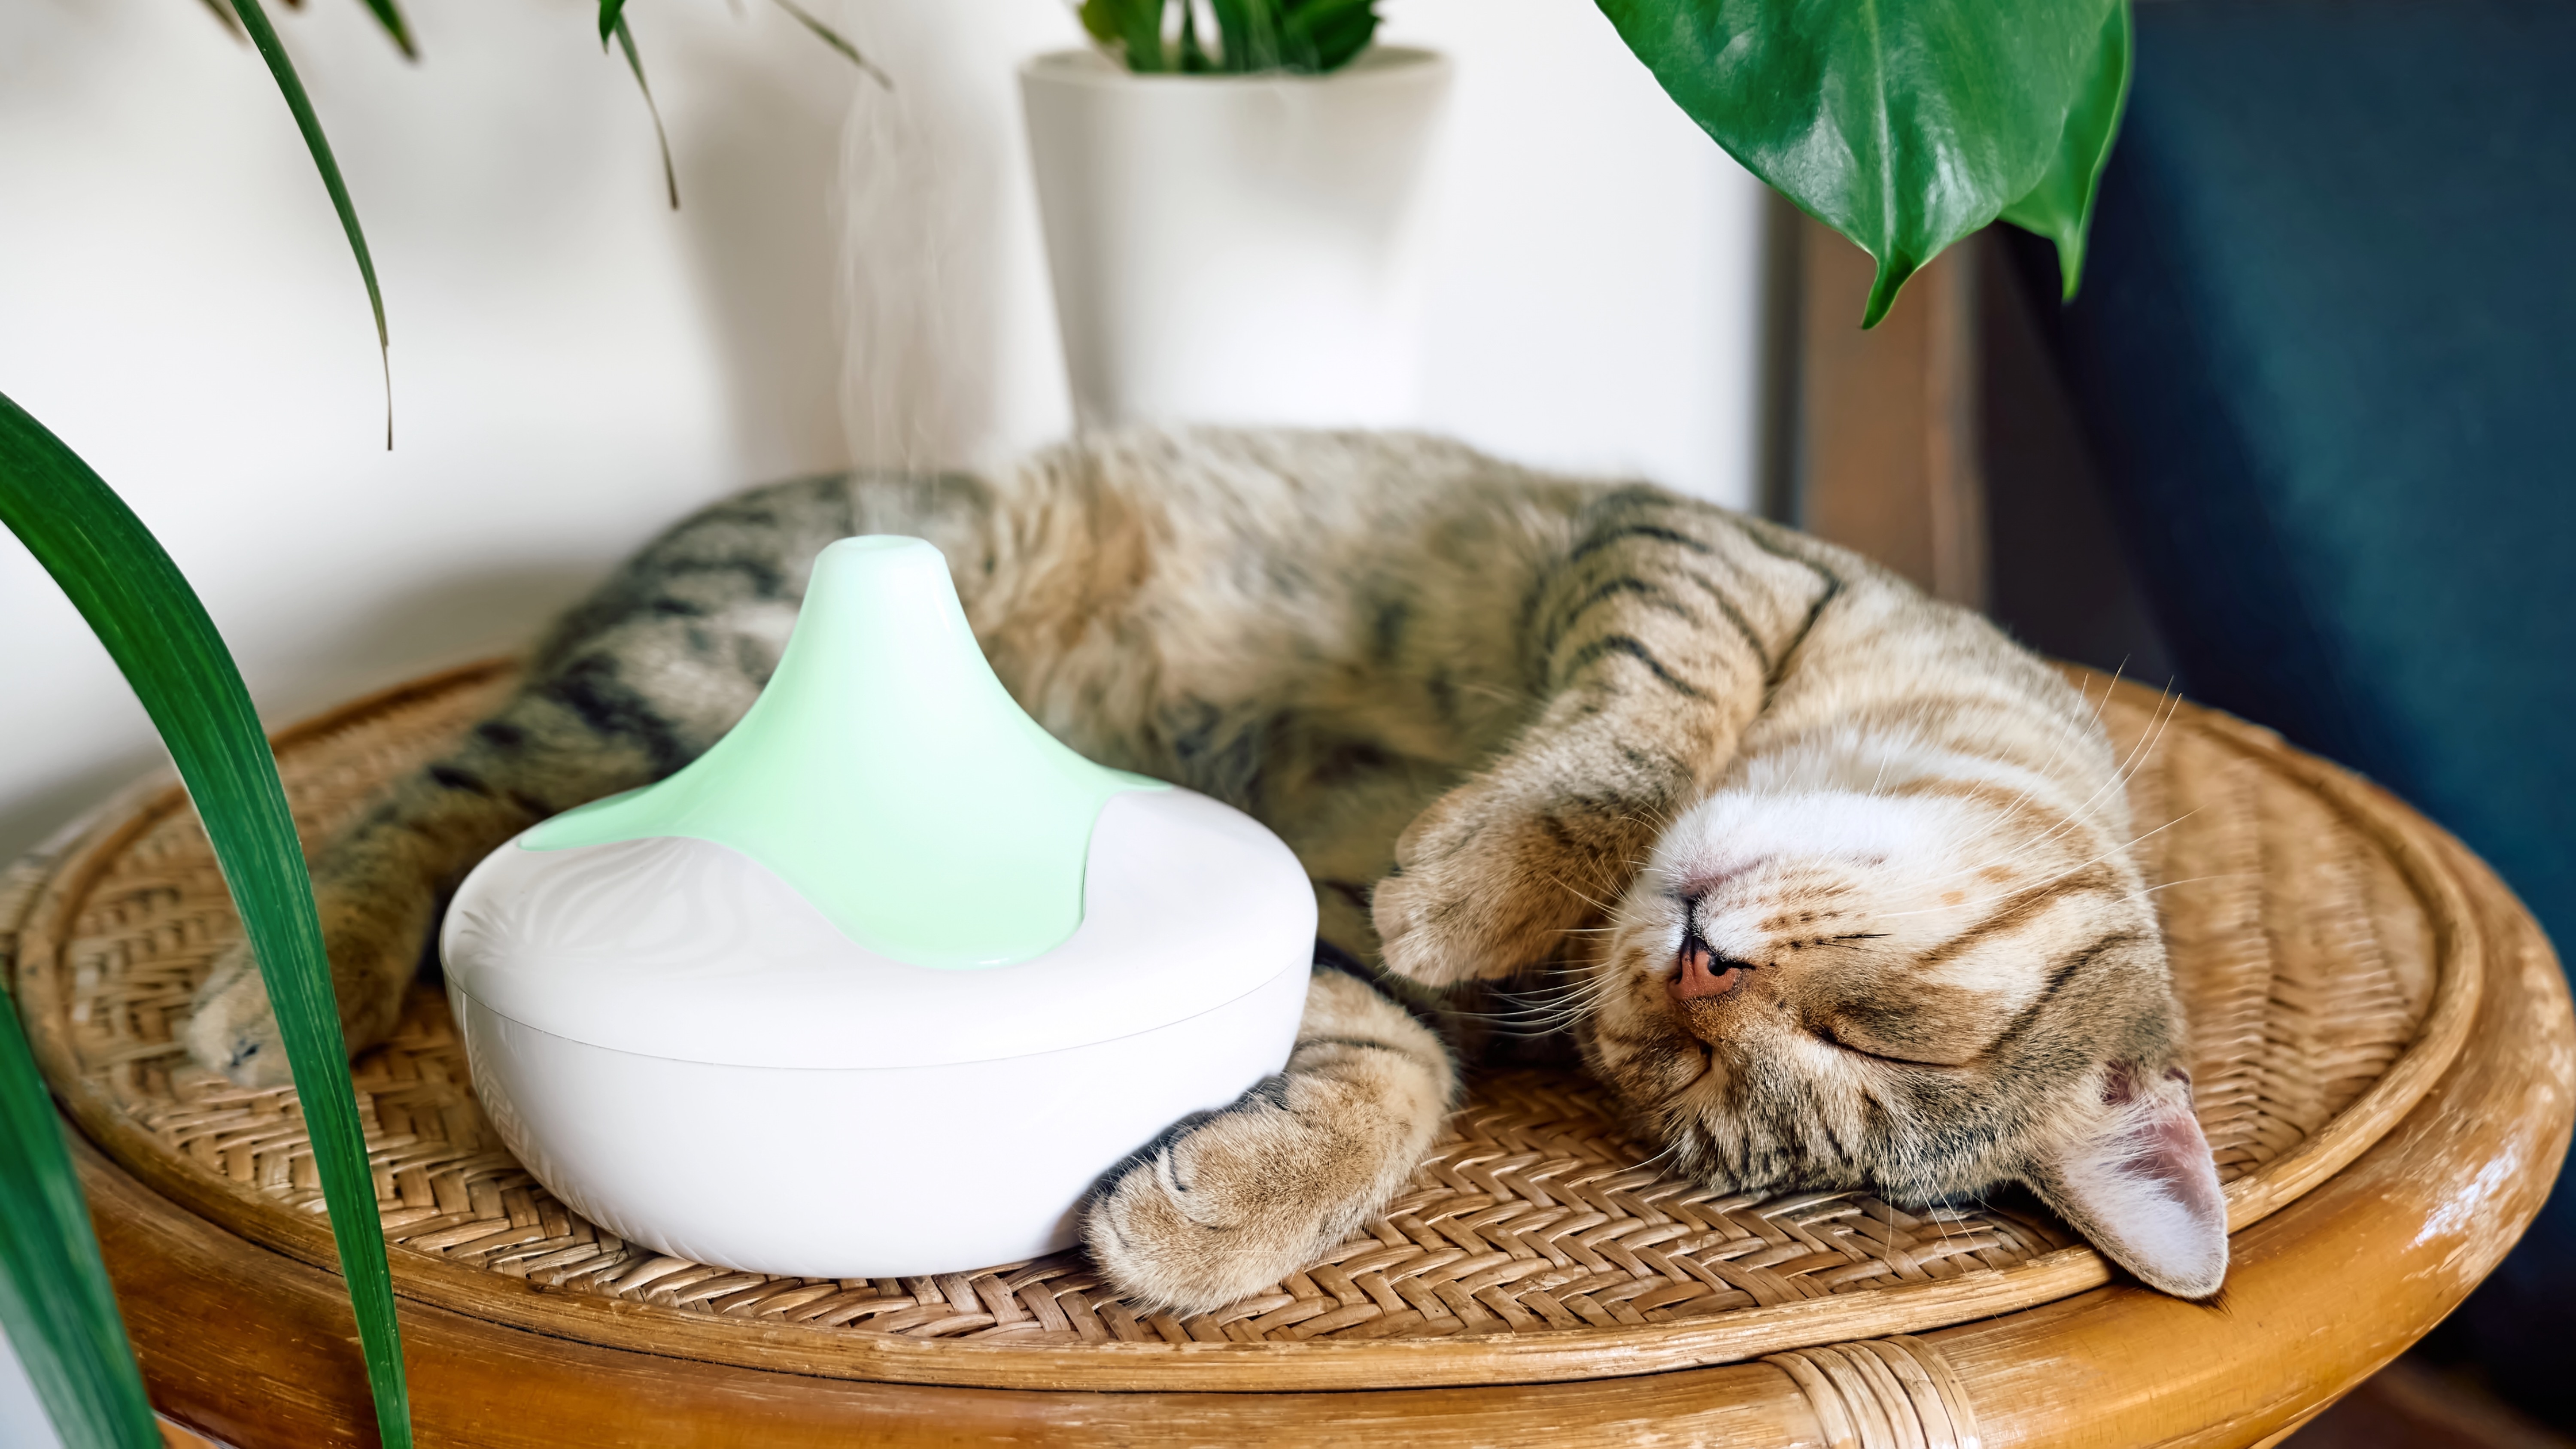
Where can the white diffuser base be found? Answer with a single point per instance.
(763, 1168)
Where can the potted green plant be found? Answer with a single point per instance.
(1227, 221)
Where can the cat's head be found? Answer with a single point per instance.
(1928, 988)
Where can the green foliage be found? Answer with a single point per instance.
(55, 1302)
(2060, 207)
(391, 19)
(832, 38)
(263, 36)
(134, 599)
(1902, 124)
(1301, 37)
(613, 23)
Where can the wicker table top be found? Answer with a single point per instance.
(2316, 933)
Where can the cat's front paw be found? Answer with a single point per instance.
(1200, 1218)
(1229, 1202)
(1485, 884)
(231, 1028)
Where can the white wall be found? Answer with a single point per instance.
(1595, 298)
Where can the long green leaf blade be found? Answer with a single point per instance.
(55, 1300)
(391, 18)
(1903, 124)
(223, 12)
(264, 36)
(2060, 207)
(140, 607)
(832, 38)
(635, 63)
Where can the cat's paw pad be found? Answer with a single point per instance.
(230, 1026)
(1200, 1218)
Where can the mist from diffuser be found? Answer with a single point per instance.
(879, 984)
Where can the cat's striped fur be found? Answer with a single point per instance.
(1826, 881)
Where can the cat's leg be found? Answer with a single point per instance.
(1230, 1201)
(639, 680)
(377, 884)
(1650, 642)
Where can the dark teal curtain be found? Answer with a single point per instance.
(2326, 357)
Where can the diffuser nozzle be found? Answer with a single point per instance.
(886, 775)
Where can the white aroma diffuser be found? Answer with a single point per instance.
(881, 983)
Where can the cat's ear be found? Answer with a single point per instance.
(2140, 1184)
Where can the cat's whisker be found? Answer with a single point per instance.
(2041, 885)
(1550, 998)
(1584, 896)
(1670, 1149)
(2126, 770)
(1534, 1009)
(1589, 931)
(2197, 879)
(2128, 766)
(2080, 815)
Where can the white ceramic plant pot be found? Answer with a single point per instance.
(1235, 249)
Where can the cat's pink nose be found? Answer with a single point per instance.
(1703, 975)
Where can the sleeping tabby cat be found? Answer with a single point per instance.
(1828, 883)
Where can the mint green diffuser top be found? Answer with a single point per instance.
(887, 776)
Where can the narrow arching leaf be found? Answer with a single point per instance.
(612, 13)
(137, 604)
(55, 1300)
(635, 63)
(2060, 207)
(264, 36)
(833, 39)
(224, 13)
(1902, 124)
(392, 20)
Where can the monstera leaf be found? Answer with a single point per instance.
(1902, 124)
(2060, 207)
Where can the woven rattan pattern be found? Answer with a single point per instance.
(2305, 961)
